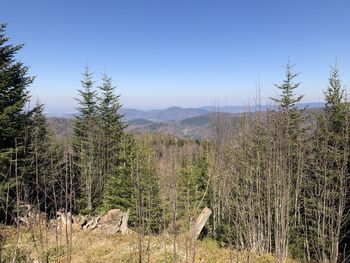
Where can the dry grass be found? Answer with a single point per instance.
(94, 247)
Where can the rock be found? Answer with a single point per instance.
(114, 215)
(112, 221)
(29, 215)
(79, 221)
(91, 223)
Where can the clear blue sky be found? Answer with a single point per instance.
(186, 53)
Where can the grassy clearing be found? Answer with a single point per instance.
(96, 247)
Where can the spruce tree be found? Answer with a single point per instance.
(36, 155)
(119, 187)
(146, 187)
(289, 136)
(112, 128)
(14, 81)
(186, 186)
(193, 180)
(85, 131)
(44, 164)
(328, 181)
(287, 104)
(133, 184)
(336, 107)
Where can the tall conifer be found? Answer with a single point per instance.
(119, 187)
(112, 128)
(14, 81)
(328, 182)
(84, 145)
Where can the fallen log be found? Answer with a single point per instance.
(200, 222)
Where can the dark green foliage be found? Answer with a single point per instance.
(112, 128)
(326, 189)
(291, 134)
(291, 117)
(45, 165)
(146, 187)
(87, 101)
(26, 143)
(193, 185)
(36, 158)
(198, 120)
(288, 99)
(119, 189)
(14, 81)
(98, 131)
(336, 107)
(85, 132)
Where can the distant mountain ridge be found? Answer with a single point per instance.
(240, 109)
(178, 113)
(169, 114)
(197, 126)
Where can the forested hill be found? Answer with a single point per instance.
(180, 122)
(193, 127)
(176, 113)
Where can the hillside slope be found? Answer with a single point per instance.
(95, 247)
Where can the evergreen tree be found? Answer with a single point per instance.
(133, 184)
(146, 187)
(336, 107)
(14, 81)
(36, 155)
(119, 187)
(202, 176)
(112, 128)
(327, 187)
(84, 146)
(187, 187)
(44, 165)
(287, 104)
(193, 180)
(289, 136)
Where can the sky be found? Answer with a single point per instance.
(188, 53)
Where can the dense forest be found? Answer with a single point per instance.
(277, 182)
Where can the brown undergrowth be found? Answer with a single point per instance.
(95, 247)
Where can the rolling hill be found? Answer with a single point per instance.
(177, 121)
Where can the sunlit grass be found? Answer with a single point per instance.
(95, 247)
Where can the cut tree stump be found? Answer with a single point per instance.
(200, 222)
(124, 226)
